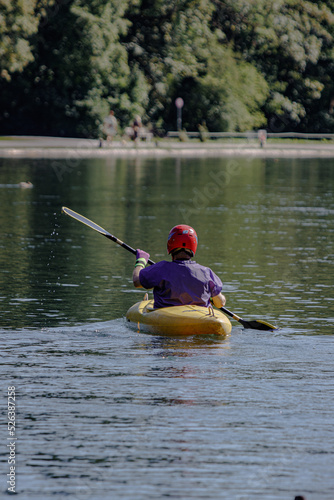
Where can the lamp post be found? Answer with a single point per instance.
(179, 102)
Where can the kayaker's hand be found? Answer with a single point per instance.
(141, 257)
(219, 300)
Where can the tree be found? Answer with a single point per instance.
(236, 63)
(290, 42)
(18, 21)
(179, 54)
(79, 70)
(227, 98)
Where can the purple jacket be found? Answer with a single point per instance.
(180, 282)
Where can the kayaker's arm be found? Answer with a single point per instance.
(135, 276)
(219, 300)
(142, 259)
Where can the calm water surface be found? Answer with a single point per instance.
(105, 412)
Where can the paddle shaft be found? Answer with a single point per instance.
(231, 314)
(255, 324)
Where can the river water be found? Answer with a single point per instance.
(105, 412)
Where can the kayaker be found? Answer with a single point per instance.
(181, 281)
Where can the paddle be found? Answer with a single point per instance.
(100, 230)
(255, 324)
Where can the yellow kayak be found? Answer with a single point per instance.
(178, 320)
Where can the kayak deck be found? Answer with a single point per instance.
(178, 320)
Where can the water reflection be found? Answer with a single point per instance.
(164, 345)
(107, 411)
(266, 227)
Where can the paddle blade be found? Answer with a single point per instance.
(258, 324)
(85, 221)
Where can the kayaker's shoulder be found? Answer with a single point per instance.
(184, 262)
(157, 265)
(191, 262)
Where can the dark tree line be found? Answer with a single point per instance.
(238, 65)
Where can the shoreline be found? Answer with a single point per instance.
(63, 148)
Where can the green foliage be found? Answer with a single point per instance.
(18, 21)
(291, 43)
(228, 97)
(79, 70)
(167, 40)
(182, 56)
(242, 91)
(236, 64)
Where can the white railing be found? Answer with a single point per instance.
(251, 135)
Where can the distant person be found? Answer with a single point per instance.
(110, 127)
(262, 136)
(136, 126)
(26, 185)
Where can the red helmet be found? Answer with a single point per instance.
(182, 236)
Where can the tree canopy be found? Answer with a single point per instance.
(18, 21)
(238, 65)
